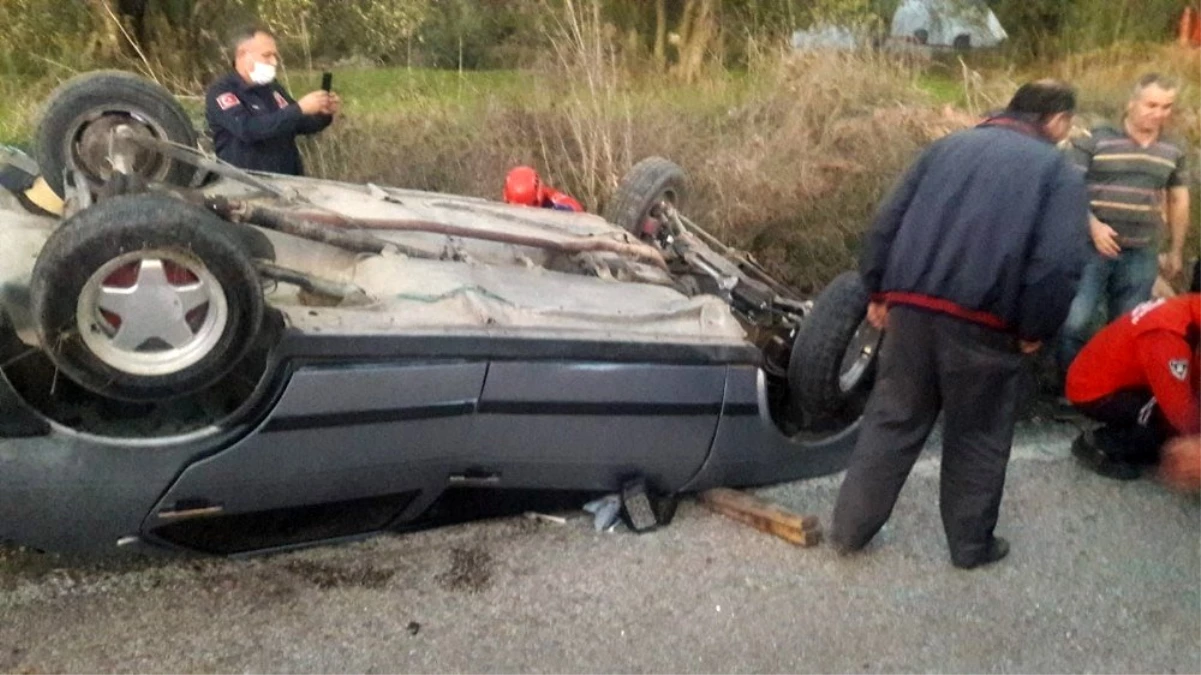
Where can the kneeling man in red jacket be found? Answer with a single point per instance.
(1140, 377)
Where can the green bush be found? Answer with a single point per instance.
(1054, 28)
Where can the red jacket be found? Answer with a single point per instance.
(561, 201)
(1153, 347)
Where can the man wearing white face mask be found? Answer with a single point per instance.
(253, 120)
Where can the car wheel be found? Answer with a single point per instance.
(833, 362)
(144, 297)
(78, 120)
(251, 241)
(635, 206)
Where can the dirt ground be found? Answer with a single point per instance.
(1104, 577)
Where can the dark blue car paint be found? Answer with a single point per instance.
(386, 416)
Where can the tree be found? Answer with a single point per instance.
(660, 50)
(696, 33)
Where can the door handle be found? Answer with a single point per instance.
(191, 508)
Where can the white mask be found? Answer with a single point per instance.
(262, 73)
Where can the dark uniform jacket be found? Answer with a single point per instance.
(990, 225)
(255, 126)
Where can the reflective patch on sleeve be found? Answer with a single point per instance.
(1144, 309)
(1145, 412)
(227, 100)
(1179, 368)
(280, 100)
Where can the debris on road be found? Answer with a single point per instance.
(763, 516)
(605, 511)
(545, 517)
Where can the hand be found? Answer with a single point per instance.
(314, 103)
(1180, 463)
(1171, 263)
(1105, 238)
(877, 314)
(1030, 346)
(335, 104)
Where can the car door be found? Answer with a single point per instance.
(347, 448)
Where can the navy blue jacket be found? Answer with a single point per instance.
(255, 126)
(989, 224)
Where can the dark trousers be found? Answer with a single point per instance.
(1135, 427)
(932, 362)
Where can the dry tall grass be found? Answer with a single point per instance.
(790, 163)
(790, 168)
(788, 160)
(1105, 78)
(589, 140)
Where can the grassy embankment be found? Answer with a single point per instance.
(788, 159)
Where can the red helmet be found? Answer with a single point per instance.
(522, 186)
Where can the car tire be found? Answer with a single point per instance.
(647, 184)
(252, 241)
(10, 345)
(833, 362)
(144, 297)
(74, 122)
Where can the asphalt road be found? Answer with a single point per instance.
(1103, 577)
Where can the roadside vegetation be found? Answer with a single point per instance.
(788, 153)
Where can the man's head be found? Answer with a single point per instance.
(255, 56)
(1050, 103)
(522, 186)
(1150, 104)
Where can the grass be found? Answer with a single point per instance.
(788, 159)
(17, 116)
(384, 92)
(942, 88)
(366, 92)
(369, 91)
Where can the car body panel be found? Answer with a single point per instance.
(67, 491)
(749, 449)
(338, 433)
(589, 425)
(466, 362)
(327, 431)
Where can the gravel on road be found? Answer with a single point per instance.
(1104, 576)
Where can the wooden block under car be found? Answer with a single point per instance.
(763, 516)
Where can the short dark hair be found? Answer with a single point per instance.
(1043, 98)
(244, 34)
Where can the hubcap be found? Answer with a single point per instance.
(858, 356)
(152, 313)
(94, 147)
(653, 227)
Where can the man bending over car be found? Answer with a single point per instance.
(1139, 376)
(971, 262)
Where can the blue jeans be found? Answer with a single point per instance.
(1122, 282)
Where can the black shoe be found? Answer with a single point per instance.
(842, 548)
(998, 549)
(1095, 459)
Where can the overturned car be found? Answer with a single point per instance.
(195, 357)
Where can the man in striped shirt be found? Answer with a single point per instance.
(1135, 177)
